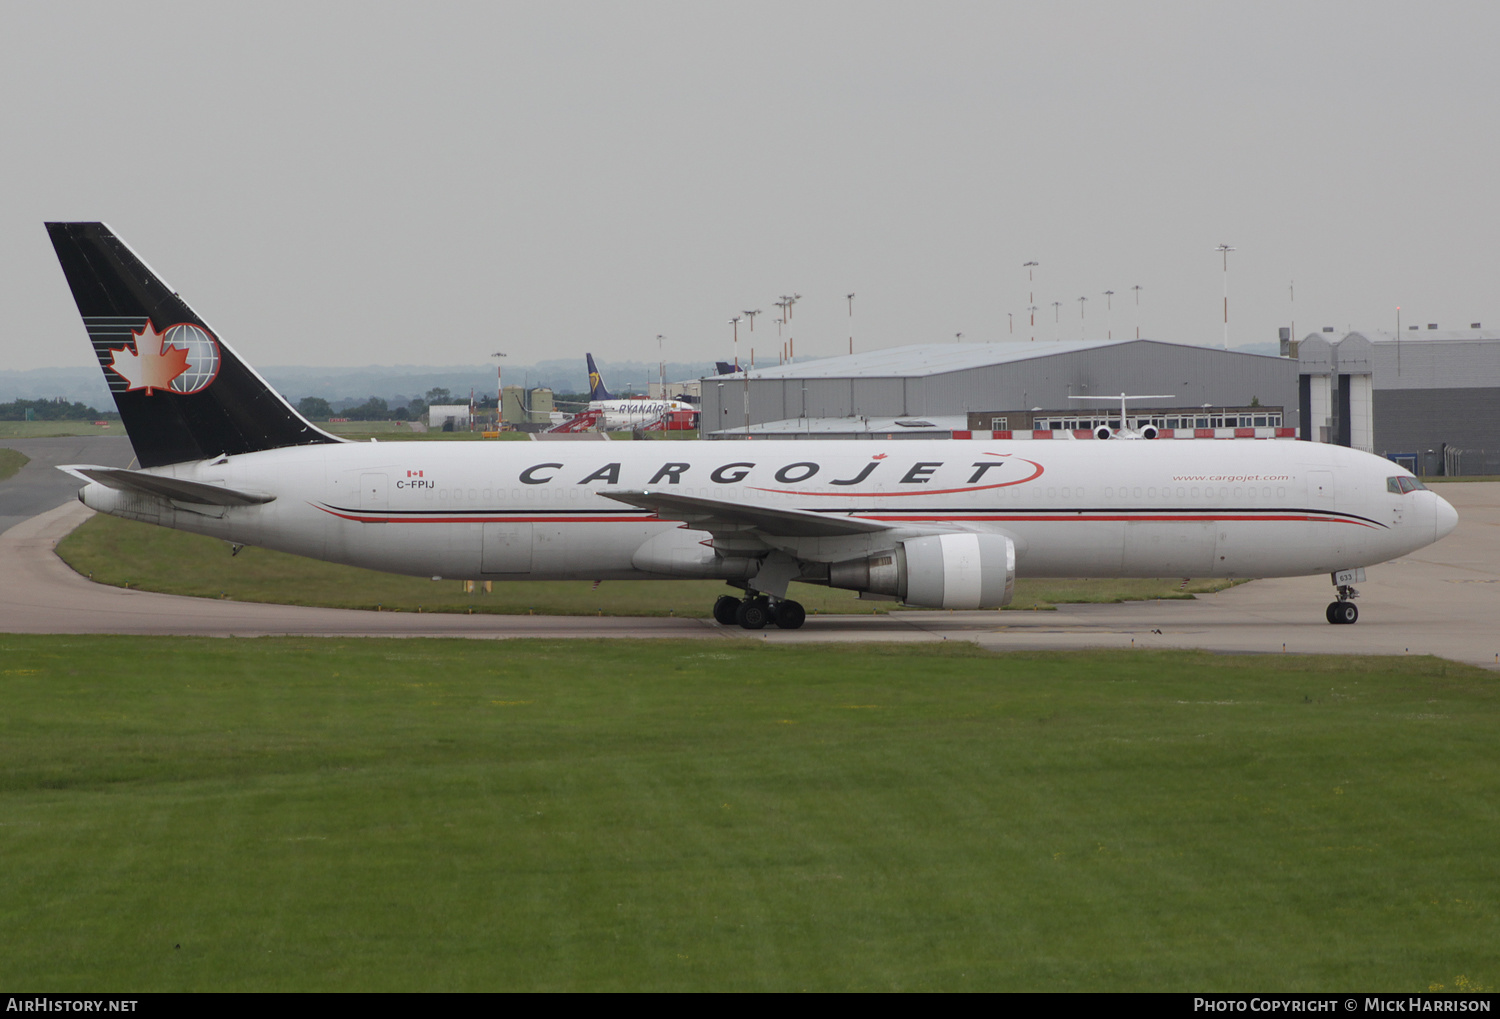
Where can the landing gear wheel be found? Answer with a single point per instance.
(753, 613)
(790, 615)
(725, 609)
(1343, 612)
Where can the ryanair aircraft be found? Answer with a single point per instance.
(945, 523)
(623, 415)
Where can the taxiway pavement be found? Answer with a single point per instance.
(1443, 600)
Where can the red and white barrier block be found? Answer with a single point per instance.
(1164, 433)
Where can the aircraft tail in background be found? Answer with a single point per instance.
(183, 394)
(596, 382)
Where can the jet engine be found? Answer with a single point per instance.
(940, 571)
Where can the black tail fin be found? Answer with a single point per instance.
(596, 382)
(183, 394)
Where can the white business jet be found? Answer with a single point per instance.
(941, 523)
(1125, 431)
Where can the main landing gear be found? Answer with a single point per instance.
(1343, 610)
(755, 611)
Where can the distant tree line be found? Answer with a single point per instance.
(316, 408)
(54, 410)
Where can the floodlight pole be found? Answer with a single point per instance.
(1137, 289)
(499, 390)
(1056, 321)
(1225, 249)
(1081, 302)
(850, 298)
(736, 323)
(1030, 268)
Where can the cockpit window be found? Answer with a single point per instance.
(1401, 486)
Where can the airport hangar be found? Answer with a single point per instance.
(1427, 398)
(1018, 390)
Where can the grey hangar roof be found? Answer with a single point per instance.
(920, 359)
(957, 378)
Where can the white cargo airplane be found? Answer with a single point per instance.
(945, 523)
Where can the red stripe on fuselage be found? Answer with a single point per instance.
(374, 519)
(1075, 516)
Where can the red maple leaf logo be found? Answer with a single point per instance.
(879, 456)
(150, 366)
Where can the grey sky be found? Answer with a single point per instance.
(362, 183)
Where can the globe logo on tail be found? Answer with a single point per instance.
(202, 357)
(184, 359)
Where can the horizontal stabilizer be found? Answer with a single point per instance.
(143, 483)
(715, 514)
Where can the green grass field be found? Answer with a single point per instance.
(46, 429)
(297, 814)
(10, 462)
(120, 552)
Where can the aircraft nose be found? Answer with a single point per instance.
(1445, 518)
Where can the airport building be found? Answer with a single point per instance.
(1023, 389)
(1425, 397)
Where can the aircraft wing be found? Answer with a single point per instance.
(143, 483)
(718, 515)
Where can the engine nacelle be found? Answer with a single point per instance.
(940, 571)
(1149, 432)
(1103, 432)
